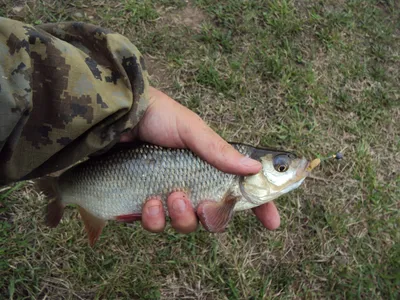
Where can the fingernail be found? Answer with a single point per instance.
(179, 205)
(154, 210)
(249, 162)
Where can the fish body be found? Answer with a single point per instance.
(119, 182)
(115, 185)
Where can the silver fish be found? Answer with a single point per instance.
(115, 185)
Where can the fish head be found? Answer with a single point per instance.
(281, 173)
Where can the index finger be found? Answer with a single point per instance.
(268, 215)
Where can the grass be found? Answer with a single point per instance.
(314, 77)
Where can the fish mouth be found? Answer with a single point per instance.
(302, 171)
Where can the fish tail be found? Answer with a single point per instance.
(48, 185)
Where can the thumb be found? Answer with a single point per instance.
(208, 145)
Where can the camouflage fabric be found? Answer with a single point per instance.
(67, 91)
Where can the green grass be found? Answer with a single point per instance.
(315, 77)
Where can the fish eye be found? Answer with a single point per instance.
(281, 163)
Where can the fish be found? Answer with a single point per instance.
(114, 186)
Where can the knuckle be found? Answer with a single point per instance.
(223, 146)
(155, 226)
(185, 227)
(220, 150)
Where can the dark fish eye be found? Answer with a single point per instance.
(281, 162)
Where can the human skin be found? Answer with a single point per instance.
(169, 124)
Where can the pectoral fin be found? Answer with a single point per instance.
(93, 225)
(215, 216)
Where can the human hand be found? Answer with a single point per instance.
(182, 128)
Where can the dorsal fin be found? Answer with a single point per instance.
(93, 225)
(48, 185)
(55, 211)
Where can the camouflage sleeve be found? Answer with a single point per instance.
(67, 91)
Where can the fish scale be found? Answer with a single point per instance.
(126, 178)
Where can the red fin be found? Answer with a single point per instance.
(129, 218)
(55, 209)
(93, 225)
(215, 216)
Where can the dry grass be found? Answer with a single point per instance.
(314, 77)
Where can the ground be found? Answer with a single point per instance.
(314, 77)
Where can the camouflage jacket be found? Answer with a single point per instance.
(67, 91)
